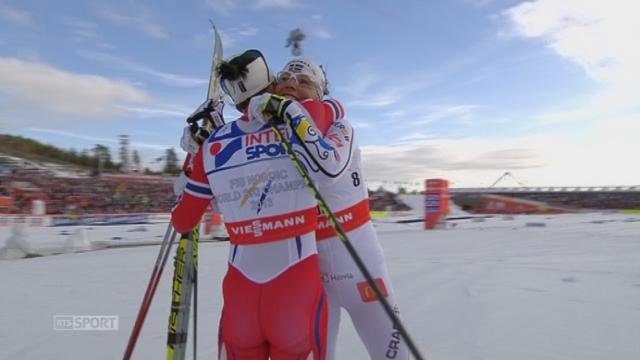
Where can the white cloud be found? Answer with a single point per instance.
(369, 88)
(364, 90)
(361, 83)
(459, 113)
(275, 3)
(160, 111)
(602, 154)
(322, 34)
(224, 7)
(360, 124)
(478, 3)
(78, 23)
(415, 115)
(99, 140)
(397, 113)
(165, 77)
(39, 89)
(83, 30)
(384, 98)
(229, 36)
(227, 7)
(416, 136)
(605, 103)
(15, 15)
(247, 30)
(597, 35)
(72, 135)
(143, 22)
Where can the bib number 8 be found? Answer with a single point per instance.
(355, 178)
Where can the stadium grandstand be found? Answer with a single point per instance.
(550, 199)
(66, 190)
(568, 198)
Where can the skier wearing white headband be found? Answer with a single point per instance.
(348, 198)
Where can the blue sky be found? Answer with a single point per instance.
(460, 89)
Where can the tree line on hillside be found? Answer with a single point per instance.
(98, 158)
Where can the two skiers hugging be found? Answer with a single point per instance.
(289, 273)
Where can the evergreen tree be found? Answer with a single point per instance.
(171, 162)
(136, 161)
(125, 164)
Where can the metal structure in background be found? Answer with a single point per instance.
(504, 176)
(296, 36)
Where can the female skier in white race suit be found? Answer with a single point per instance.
(348, 198)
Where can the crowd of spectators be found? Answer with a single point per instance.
(85, 194)
(129, 194)
(597, 200)
(111, 194)
(586, 200)
(382, 200)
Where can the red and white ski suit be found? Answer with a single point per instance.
(274, 303)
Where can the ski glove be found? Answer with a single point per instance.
(188, 141)
(180, 183)
(273, 109)
(211, 114)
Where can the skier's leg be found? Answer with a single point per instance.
(375, 328)
(240, 335)
(333, 327)
(325, 257)
(294, 313)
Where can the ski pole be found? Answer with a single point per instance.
(156, 273)
(345, 240)
(195, 295)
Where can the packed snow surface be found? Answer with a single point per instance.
(523, 287)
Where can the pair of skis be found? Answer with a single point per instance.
(185, 283)
(185, 276)
(185, 279)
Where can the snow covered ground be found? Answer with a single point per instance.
(524, 287)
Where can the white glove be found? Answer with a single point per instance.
(255, 107)
(270, 108)
(180, 183)
(187, 142)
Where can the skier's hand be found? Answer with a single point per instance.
(211, 111)
(188, 141)
(275, 107)
(256, 110)
(211, 114)
(180, 183)
(272, 109)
